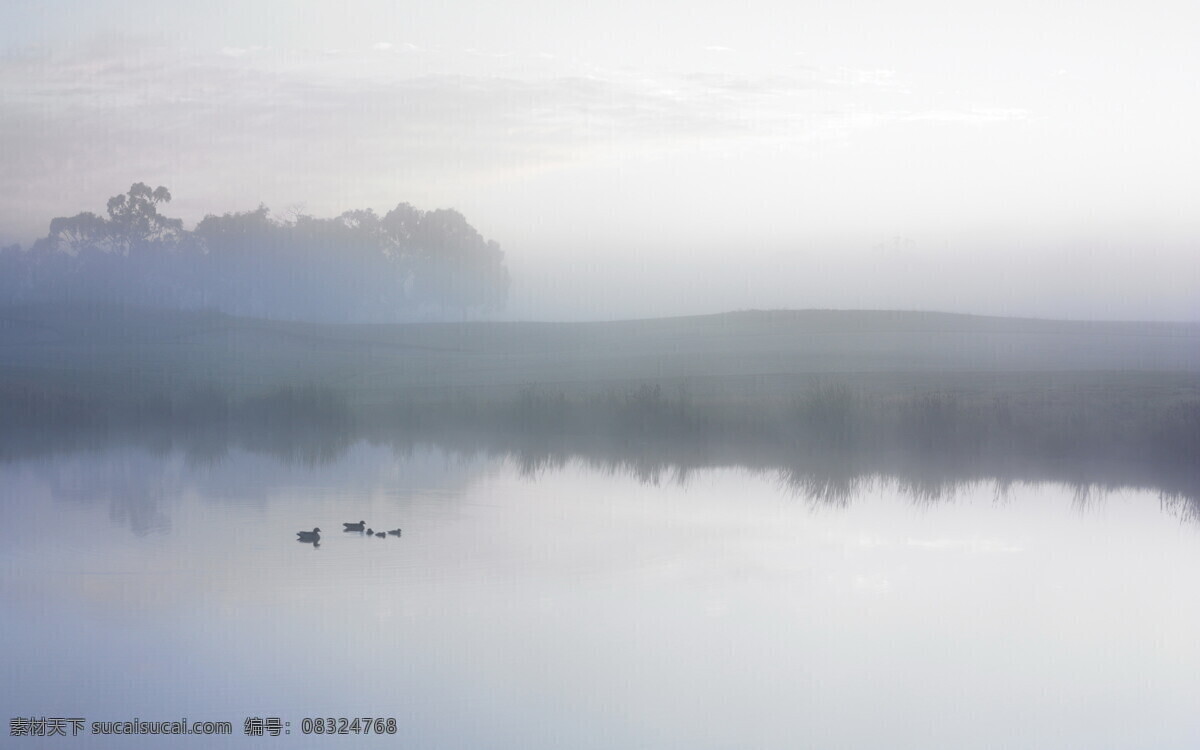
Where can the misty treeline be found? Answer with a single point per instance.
(407, 264)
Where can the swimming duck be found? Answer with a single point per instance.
(380, 534)
(395, 532)
(355, 526)
(309, 536)
(370, 532)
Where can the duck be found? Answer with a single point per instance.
(309, 536)
(355, 526)
(370, 532)
(395, 532)
(380, 534)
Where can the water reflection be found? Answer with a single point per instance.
(589, 602)
(133, 473)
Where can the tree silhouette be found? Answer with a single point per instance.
(134, 221)
(358, 266)
(74, 234)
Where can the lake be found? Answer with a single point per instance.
(572, 605)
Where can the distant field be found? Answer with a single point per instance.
(828, 398)
(128, 354)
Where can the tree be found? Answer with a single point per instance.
(73, 234)
(453, 265)
(134, 221)
(359, 266)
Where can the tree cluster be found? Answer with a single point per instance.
(405, 265)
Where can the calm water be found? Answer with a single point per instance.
(576, 608)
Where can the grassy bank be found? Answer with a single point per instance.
(824, 397)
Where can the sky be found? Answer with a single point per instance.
(1022, 158)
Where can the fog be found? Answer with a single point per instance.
(728, 368)
(631, 163)
(1073, 280)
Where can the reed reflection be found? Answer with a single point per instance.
(931, 458)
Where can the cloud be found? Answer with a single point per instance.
(972, 115)
(250, 123)
(874, 77)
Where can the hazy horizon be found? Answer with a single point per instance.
(641, 162)
(696, 375)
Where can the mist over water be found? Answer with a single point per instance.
(728, 375)
(703, 608)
